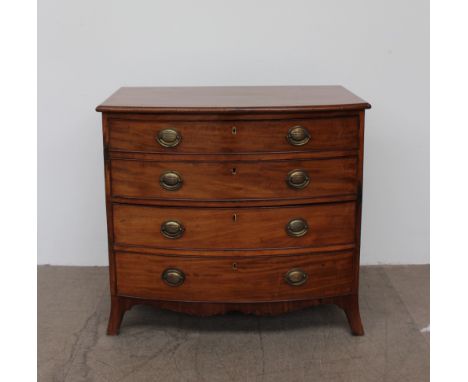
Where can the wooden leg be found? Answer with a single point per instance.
(350, 305)
(118, 308)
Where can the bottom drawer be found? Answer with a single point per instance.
(246, 279)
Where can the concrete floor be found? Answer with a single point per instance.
(310, 345)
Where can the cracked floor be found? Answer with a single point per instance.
(309, 345)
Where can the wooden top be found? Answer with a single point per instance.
(225, 99)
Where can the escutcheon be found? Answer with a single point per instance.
(173, 277)
(168, 138)
(297, 227)
(171, 180)
(298, 179)
(296, 277)
(298, 136)
(172, 229)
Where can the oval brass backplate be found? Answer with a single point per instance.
(173, 277)
(172, 229)
(170, 180)
(298, 179)
(168, 138)
(296, 277)
(297, 227)
(298, 136)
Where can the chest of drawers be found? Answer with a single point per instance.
(233, 199)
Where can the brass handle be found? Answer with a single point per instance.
(296, 277)
(297, 227)
(173, 277)
(168, 138)
(172, 229)
(298, 179)
(298, 136)
(170, 180)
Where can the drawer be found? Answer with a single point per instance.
(234, 136)
(234, 279)
(234, 180)
(234, 228)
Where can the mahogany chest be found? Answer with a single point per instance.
(234, 199)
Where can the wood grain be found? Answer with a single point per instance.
(234, 252)
(250, 280)
(234, 204)
(253, 228)
(109, 217)
(251, 136)
(231, 99)
(234, 180)
(346, 302)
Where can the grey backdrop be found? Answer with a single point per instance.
(378, 49)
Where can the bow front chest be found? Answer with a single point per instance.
(234, 199)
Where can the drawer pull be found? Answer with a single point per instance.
(298, 136)
(297, 227)
(296, 277)
(170, 180)
(172, 229)
(168, 138)
(173, 277)
(298, 179)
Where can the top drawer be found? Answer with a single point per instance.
(211, 137)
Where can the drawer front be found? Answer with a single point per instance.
(234, 228)
(234, 136)
(236, 180)
(233, 279)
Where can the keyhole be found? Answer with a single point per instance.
(234, 266)
(234, 217)
(234, 171)
(234, 130)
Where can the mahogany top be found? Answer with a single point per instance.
(226, 99)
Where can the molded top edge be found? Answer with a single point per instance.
(231, 99)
